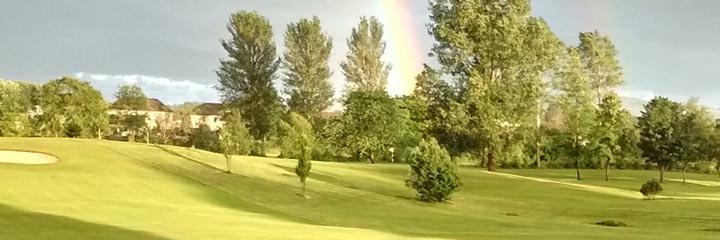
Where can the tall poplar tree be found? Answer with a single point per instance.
(576, 101)
(364, 68)
(307, 75)
(599, 57)
(246, 76)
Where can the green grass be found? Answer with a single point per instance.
(113, 190)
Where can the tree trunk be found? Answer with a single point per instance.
(662, 169)
(228, 160)
(372, 160)
(491, 162)
(718, 168)
(303, 183)
(577, 158)
(538, 138)
(607, 169)
(685, 166)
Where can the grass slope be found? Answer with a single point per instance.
(113, 190)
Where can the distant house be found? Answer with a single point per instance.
(209, 114)
(158, 115)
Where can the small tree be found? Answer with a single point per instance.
(234, 138)
(302, 170)
(432, 174)
(297, 142)
(132, 105)
(651, 188)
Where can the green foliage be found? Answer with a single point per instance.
(130, 97)
(205, 139)
(575, 101)
(234, 137)
(15, 102)
(694, 129)
(68, 102)
(296, 134)
(132, 106)
(615, 134)
(432, 174)
(363, 68)
(297, 141)
(246, 77)
(491, 50)
(370, 124)
(658, 135)
(302, 170)
(651, 188)
(307, 80)
(599, 57)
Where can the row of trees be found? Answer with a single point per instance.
(506, 91)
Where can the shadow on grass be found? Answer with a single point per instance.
(174, 153)
(20, 224)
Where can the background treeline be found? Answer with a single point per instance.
(506, 92)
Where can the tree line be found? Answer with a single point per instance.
(506, 92)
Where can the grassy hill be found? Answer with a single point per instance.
(113, 190)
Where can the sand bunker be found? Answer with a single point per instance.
(17, 157)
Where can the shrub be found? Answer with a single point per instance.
(611, 223)
(651, 188)
(432, 174)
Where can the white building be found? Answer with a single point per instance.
(209, 114)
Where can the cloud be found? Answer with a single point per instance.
(637, 94)
(169, 91)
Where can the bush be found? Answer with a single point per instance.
(611, 223)
(651, 188)
(432, 174)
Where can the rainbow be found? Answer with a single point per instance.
(403, 49)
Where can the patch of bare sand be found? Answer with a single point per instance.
(17, 157)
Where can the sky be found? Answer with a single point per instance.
(171, 47)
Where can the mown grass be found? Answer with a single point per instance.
(113, 190)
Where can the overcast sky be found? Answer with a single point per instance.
(171, 47)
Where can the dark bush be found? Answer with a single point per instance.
(651, 188)
(611, 223)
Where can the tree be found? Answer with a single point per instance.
(658, 133)
(577, 105)
(71, 104)
(295, 132)
(369, 124)
(234, 138)
(13, 110)
(611, 125)
(599, 57)
(204, 138)
(694, 127)
(543, 51)
(298, 140)
(307, 80)
(246, 77)
(363, 67)
(133, 106)
(488, 48)
(651, 188)
(432, 174)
